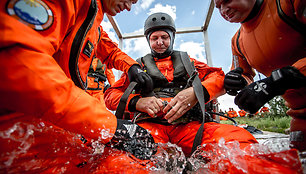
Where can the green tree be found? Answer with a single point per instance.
(277, 107)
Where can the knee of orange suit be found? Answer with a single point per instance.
(213, 132)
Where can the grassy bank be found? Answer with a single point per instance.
(266, 123)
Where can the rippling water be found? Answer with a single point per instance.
(36, 148)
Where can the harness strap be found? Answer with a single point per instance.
(123, 100)
(198, 89)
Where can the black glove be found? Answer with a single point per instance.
(234, 82)
(254, 96)
(144, 81)
(134, 139)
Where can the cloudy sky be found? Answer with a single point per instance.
(189, 13)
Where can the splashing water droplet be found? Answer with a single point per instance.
(105, 133)
(169, 158)
(98, 147)
(42, 124)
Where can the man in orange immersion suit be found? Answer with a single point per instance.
(98, 74)
(232, 113)
(271, 40)
(264, 109)
(242, 113)
(46, 48)
(177, 120)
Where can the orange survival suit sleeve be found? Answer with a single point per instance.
(110, 76)
(212, 78)
(33, 83)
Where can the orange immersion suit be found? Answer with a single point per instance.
(242, 113)
(181, 134)
(264, 109)
(266, 43)
(44, 62)
(232, 114)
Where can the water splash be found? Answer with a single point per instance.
(28, 146)
(105, 133)
(276, 145)
(221, 157)
(23, 135)
(169, 159)
(227, 157)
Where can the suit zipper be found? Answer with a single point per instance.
(77, 43)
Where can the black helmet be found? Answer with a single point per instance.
(164, 22)
(159, 20)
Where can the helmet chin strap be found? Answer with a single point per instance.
(169, 50)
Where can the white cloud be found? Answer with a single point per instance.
(171, 10)
(143, 5)
(193, 12)
(108, 28)
(194, 50)
(138, 47)
(227, 101)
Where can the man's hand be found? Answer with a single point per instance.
(254, 96)
(180, 104)
(144, 81)
(234, 82)
(150, 105)
(134, 139)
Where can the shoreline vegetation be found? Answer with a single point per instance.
(276, 120)
(265, 122)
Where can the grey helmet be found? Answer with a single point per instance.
(160, 22)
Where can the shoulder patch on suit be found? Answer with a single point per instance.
(34, 13)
